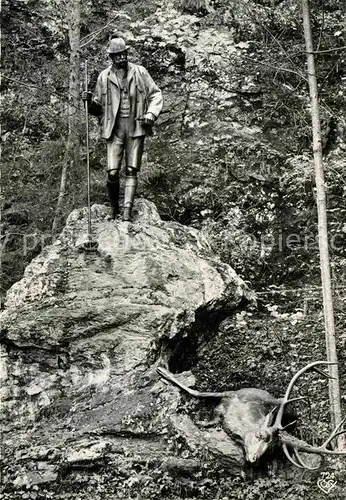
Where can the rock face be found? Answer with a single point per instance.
(82, 333)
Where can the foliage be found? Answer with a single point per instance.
(231, 157)
(139, 481)
(192, 6)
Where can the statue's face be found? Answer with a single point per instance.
(119, 59)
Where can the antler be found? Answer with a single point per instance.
(285, 400)
(293, 445)
(296, 445)
(298, 462)
(322, 450)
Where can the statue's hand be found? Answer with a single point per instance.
(148, 119)
(86, 96)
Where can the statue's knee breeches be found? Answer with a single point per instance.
(121, 142)
(115, 153)
(134, 152)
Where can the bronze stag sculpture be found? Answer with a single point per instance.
(255, 417)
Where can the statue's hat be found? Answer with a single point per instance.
(116, 45)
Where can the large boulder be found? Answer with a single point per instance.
(83, 332)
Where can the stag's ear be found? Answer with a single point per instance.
(270, 417)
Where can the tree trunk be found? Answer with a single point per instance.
(72, 151)
(334, 384)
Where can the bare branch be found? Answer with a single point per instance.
(23, 84)
(321, 28)
(281, 68)
(43, 89)
(335, 49)
(97, 32)
(335, 433)
(32, 86)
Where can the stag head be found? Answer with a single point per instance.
(270, 432)
(263, 440)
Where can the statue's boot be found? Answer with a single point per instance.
(113, 193)
(129, 196)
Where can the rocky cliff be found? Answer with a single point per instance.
(82, 334)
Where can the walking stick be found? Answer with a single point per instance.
(90, 244)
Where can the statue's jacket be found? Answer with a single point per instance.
(145, 97)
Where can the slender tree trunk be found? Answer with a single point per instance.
(334, 384)
(72, 151)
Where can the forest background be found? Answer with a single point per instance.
(231, 156)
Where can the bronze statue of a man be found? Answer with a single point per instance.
(127, 102)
